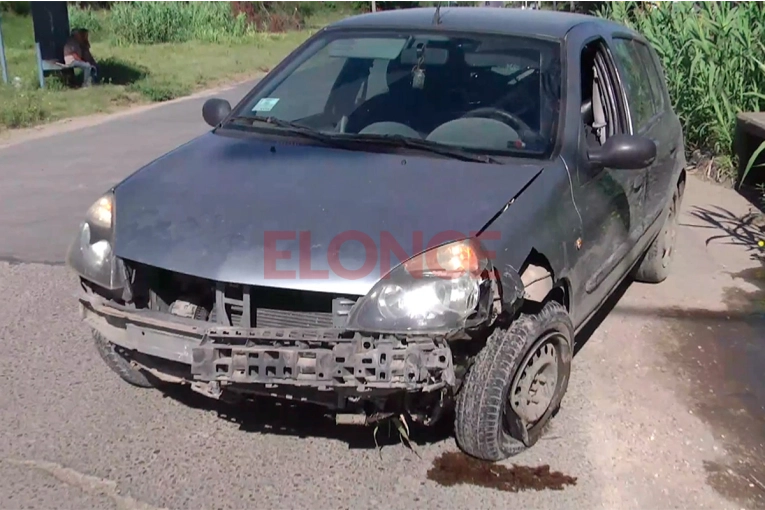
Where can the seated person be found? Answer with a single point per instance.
(77, 54)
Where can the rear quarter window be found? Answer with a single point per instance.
(640, 80)
(655, 75)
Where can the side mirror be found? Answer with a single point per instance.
(215, 110)
(624, 152)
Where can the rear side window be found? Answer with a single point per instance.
(655, 75)
(640, 79)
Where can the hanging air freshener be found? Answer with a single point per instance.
(418, 75)
(418, 78)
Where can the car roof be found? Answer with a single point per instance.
(528, 22)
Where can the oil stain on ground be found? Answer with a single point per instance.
(455, 468)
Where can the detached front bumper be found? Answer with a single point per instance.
(323, 359)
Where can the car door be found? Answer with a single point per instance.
(669, 138)
(648, 115)
(612, 199)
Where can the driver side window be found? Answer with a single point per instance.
(600, 106)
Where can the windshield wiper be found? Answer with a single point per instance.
(343, 139)
(422, 145)
(290, 127)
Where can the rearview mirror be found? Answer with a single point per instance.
(624, 152)
(215, 110)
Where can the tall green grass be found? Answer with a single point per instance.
(714, 59)
(174, 22)
(96, 22)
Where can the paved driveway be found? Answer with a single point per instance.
(665, 406)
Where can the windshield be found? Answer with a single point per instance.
(483, 93)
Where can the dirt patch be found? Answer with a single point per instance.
(455, 468)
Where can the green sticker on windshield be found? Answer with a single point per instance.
(265, 105)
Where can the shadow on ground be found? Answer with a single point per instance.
(285, 418)
(720, 355)
(728, 228)
(118, 72)
(111, 71)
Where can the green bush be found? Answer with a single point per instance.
(387, 6)
(92, 5)
(164, 22)
(714, 59)
(18, 8)
(273, 17)
(95, 22)
(339, 5)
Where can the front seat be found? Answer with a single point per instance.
(398, 104)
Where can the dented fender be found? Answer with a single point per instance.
(542, 221)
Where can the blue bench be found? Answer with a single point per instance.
(52, 66)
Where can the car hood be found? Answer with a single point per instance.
(250, 211)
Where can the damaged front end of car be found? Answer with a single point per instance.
(404, 347)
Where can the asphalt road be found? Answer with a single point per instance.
(666, 406)
(46, 182)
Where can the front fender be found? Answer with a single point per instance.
(541, 221)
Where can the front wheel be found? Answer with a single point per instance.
(515, 385)
(118, 363)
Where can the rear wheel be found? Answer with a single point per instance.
(110, 353)
(657, 261)
(516, 385)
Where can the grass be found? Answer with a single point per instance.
(714, 59)
(133, 73)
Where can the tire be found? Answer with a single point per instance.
(657, 261)
(486, 425)
(117, 362)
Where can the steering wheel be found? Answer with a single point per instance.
(502, 116)
(489, 112)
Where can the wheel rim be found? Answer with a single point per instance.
(670, 233)
(533, 388)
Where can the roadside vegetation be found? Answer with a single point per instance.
(714, 59)
(154, 51)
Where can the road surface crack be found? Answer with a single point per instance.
(90, 484)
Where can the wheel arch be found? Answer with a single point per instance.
(541, 284)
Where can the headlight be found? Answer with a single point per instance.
(100, 214)
(91, 254)
(436, 291)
